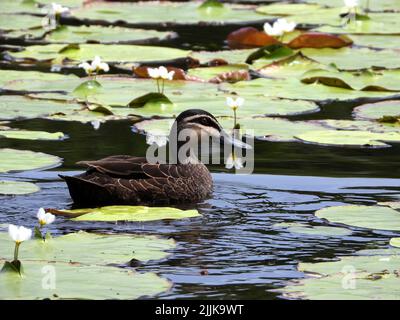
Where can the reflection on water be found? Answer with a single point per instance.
(235, 240)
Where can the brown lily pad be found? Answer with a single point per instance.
(319, 40)
(249, 37)
(142, 72)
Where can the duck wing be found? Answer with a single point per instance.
(129, 167)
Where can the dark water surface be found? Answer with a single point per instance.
(236, 239)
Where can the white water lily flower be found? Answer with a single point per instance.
(159, 140)
(98, 65)
(160, 73)
(351, 4)
(272, 30)
(58, 9)
(153, 73)
(234, 103)
(19, 234)
(285, 25)
(95, 124)
(234, 161)
(87, 67)
(45, 217)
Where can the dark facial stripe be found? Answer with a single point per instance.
(203, 120)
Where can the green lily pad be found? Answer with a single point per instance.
(349, 58)
(385, 80)
(372, 277)
(380, 5)
(119, 92)
(22, 160)
(19, 107)
(372, 217)
(109, 53)
(294, 89)
(376, 41)
(302, 228)
(19, 6)
(271, 129)
(130, 213)
(350, 138)
(292, 67)
(288, 9)
(395, 242)
(7, 76)
(31, 135)
(230, 56)
(359, 125)
(210, 73)
(8, 187)
(378, 110)
(78, 282)
(155, 13)
(374, 27)
(102, 34)
(19, 21)
(74, 247)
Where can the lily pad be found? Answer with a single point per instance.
(294, 89)
(19, 107)
(271, 129)
(378, 110)
(31, 135)
(130, 213)
(372, 217)
(210, 73)
(292, 67)
(78, 282)
(349, 58)
(302, 228)
(350, 138)
(351, 278)
(105, 35)
(380, 5)
(170, 13)
(385, 80)
(109, 53)
(7, 76)
(376, 41)
(22, 160)
(375, 26)
(18, 21)
(104, 249)
(229, 56)
(8, 187)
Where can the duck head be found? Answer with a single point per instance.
(196, 132)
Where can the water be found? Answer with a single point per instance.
(235, 242)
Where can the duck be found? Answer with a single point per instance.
(131, 180)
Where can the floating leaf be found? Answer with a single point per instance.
(156, 13)
(349, 58)
(109, 53)
(270, 53)
(22, 160)
(302, 228)
(8, 187)
(87, 88)
(159, 100)
(210, 73)
(130, 213)
(373, 217)
(378, 110)
(385, 80)
(376, 41)
(351, 278)
(7, 76)
(105, 35)
(350, 138)
(73, 248)
(319, 40)
(78, 282)
(31, 135)
(294, 89)
(249, 37)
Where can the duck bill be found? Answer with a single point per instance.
(227, 138)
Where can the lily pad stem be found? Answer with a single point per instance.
(158, 85)
(16, 250)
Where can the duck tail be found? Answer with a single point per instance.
(84, 192)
